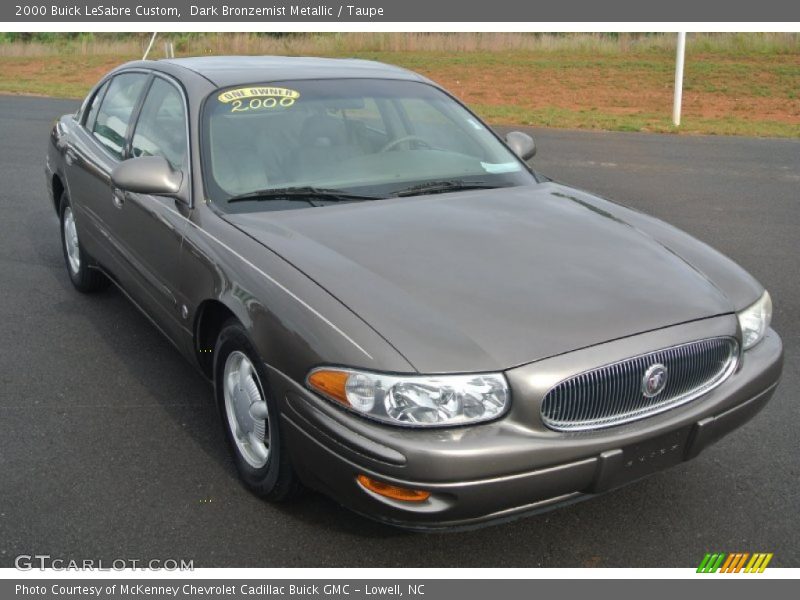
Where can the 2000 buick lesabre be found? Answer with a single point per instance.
(392, 306)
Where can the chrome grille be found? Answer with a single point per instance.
(612, 394)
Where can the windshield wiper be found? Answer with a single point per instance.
(307, 193)
(440, 187)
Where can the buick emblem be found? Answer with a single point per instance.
(654, 380)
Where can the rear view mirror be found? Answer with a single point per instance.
(147, 175)
(522, 144)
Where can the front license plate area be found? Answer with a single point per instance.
(649, 456)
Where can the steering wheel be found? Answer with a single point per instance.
(406, 138)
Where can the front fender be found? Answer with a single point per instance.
(741, 288)
(294, 323)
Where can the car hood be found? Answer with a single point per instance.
(490, 279)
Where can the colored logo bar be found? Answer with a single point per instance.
(735, 562)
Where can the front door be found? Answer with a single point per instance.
(149, 229)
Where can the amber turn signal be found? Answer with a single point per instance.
(394, 492)
(331, 384)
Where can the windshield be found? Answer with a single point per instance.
(345, 140)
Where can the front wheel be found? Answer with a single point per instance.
(84, 278)
(250, 415)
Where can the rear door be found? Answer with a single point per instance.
(97, 147)
(149, 229)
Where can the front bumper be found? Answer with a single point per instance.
(515, 465)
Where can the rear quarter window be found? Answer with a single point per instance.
(90, 111)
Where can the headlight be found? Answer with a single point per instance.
(415, 400)
(754, 321)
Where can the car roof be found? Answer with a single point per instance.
(225, 71)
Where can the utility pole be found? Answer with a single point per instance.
(676, 105)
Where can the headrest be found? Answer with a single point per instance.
(323, 131)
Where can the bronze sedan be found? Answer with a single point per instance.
(392, 307)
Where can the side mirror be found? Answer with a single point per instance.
(522, 144)
(147, 175)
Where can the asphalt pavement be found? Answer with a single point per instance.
(110, 446)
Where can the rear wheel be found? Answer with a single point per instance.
(83, 277)
(250, 415)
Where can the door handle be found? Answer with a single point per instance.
(118, 197)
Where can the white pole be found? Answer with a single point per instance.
(676, 106)
(150, 45)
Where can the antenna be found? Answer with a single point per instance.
(150, 45)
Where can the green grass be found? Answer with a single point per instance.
(43, 88)
(735, 84)
(652, 123)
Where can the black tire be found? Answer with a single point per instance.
(276, 481)
(85, 278)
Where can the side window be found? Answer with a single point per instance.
(161, 127)
(114, 113)
(91, 114)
